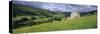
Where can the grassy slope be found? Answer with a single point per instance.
(85, 22)
(23, 10)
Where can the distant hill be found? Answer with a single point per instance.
(89, 13)
(21, 10)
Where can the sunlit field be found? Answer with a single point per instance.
(85, 22)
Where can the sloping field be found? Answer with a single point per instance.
(85, 22)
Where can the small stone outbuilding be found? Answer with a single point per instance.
(75, 14)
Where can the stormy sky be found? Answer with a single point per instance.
(58, 6)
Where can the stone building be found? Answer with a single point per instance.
(75, 14)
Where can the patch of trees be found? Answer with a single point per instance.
(34, 21)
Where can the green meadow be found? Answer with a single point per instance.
(85, 22)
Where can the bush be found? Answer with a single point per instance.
(57, 17)
(33, 18)
(23, 19)
(19, 23)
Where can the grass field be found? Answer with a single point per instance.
(85, 22)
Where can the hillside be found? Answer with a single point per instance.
(89, 13)
(85, 22)
(25, 15)
(29, 10)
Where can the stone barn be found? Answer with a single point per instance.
(75, 14)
